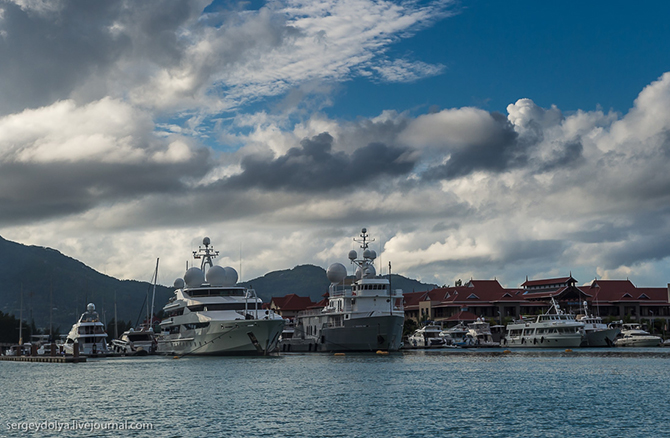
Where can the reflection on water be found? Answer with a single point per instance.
(586, 393)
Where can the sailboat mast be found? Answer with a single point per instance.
(153, 298)
(21, 318)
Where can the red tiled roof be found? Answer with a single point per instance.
(624, 290)
(546, 281)
(292, 302)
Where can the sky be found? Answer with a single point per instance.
(473, 139)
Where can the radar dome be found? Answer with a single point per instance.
(216, 276)
(206, 241)
(231, 276)
(367, 254)
(373, 254)
(352, 255)
(369, 272)
(194, 277)
(336, 273)
(179, 283)
(90, 307)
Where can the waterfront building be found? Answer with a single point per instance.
(490, 300)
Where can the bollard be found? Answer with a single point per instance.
(75, 349)
(33, 350)
(53, 348)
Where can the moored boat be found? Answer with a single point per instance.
(597, 333)
(365, 315)
(549, 330)
(89, 333)
(480, 332)
(211, 315)
(426, 337)
(632, 335)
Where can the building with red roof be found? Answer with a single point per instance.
(488, 299)
(289, 305)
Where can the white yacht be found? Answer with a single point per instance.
(135, 342)
(367, 315)
(550, 330)
(426, 336)
(632, 335)
(597, 333)
(89, 333)
(210, 315)
(480, 332)
(458, 336)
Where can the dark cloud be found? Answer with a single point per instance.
(502, 151)
(46, 55)
(569, 155)
(30, 191)
(313, 167)
(599, 232)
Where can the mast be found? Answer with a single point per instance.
(206, 254)
(116, 320)
(51, 310)
(153, 298)
(21, 318)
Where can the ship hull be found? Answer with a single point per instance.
(601, 338)
(564, 341)
(356, 334)
(223, 338)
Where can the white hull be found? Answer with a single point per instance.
(563, 341)
(638, 341)
(225, 338)
(601, 338)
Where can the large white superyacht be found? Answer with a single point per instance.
(211, 315)
(367, 315)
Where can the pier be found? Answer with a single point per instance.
(48, 359)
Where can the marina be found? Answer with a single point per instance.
(549, 392)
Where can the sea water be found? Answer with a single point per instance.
(433, 393)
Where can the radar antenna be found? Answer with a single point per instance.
(206, 254)
(364, 239)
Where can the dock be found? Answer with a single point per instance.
(47, 359)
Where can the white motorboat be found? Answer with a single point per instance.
(458, 336)
(549, 330)
(367, 315)
(89, 333)
(210, 315)
(480, 332)
(597, 333)
(426, 337)
(135, 342)
(632, 335)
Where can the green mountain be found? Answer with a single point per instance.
(311, 281)
(48, 279)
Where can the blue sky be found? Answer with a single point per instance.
(473, 139)
(574, 55)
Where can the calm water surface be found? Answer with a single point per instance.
(412, 394)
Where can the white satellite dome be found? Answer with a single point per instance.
(90, 307)
(369, 254)
(336, 273)
(206, 241)
(369, 272)
(231, 276)
(373, 254)
(194, 277)
(352, 255)
(179, 283)
(216, 276)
